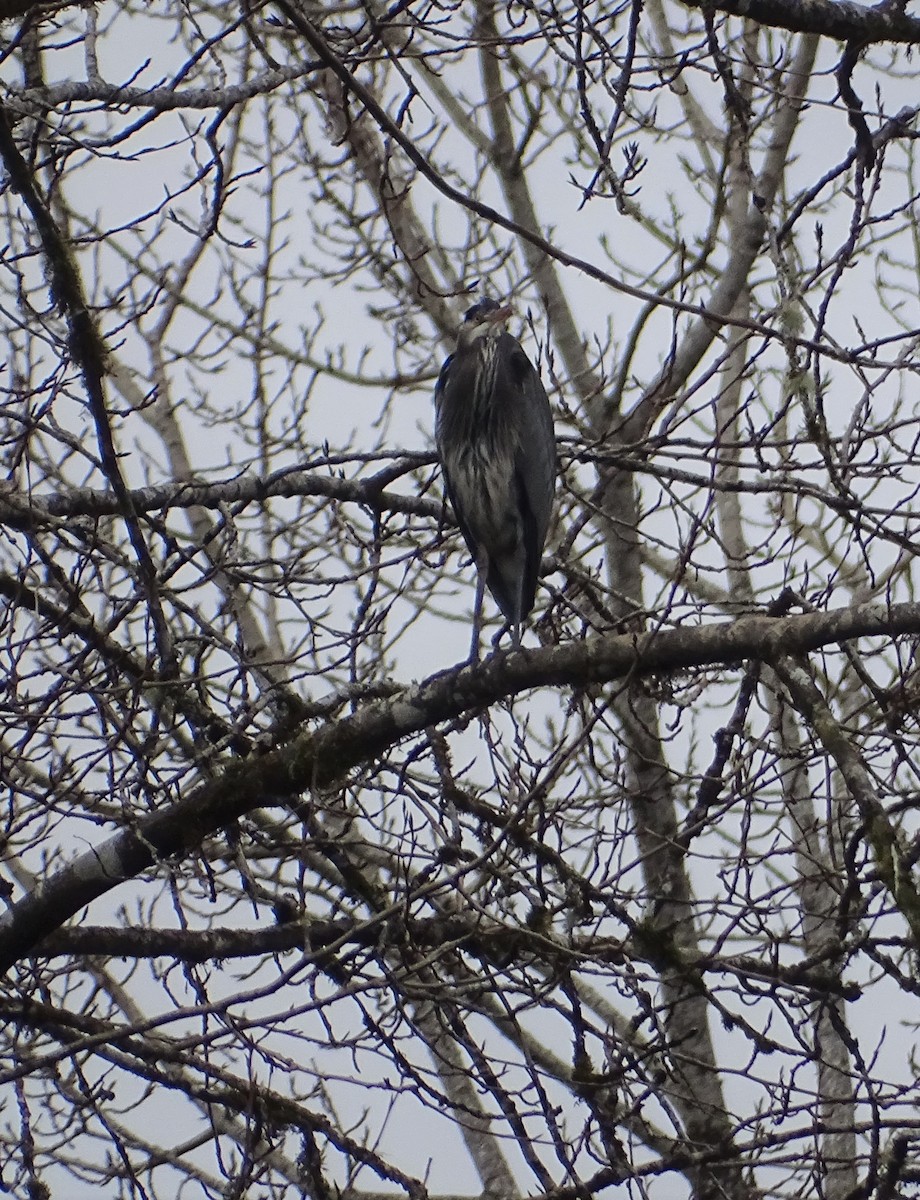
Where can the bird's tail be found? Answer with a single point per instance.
(504, 580)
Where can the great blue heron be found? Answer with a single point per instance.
(494, 431)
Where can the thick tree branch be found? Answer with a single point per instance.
(838, 19)
(319, 757)
(160, 99)
(470, 931)
(28, 512)
(11, 9)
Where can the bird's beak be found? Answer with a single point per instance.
(501, 314)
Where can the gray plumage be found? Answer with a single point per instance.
(495, 438)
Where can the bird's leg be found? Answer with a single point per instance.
(497, 637)
(482, 568)
(515, 626)
(512, 629)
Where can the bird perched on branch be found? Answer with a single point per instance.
(494, 431)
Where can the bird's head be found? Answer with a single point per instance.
(485, 319)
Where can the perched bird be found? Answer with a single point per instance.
(494, 431)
